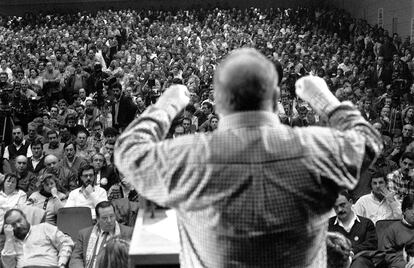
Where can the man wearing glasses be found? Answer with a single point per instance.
(88, 194)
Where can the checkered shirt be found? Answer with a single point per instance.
(254, 193)
(399, 184)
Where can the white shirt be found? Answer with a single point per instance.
(6, 154)
(349, 226)
(369, 207)
(78, 199)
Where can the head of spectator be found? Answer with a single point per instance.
(245, 81)
(70, 150)
(31, 130)
(207, 108)
(407, 131)
(397, 141)
(338, 250)
(86, 176)
(48, 184)
(385, 112)
(80, 111)
(110, 134)
(21, 164)
(70, 120)
(63, 106)
(17, 219)
(52, 164)
(82, 94)
(17, 135)
(406, 163)
(53, 139)
(9, 184)
(214, 120)
(117, 90)
(54, 111)
(186, 124)
(64, 133)
(37, 148)
(82, 138)
(343, 206)
(49, 67)
(3, 78)
(98, 161)
(109, 147)
(407, 208)
(114, 254)
(105, 216)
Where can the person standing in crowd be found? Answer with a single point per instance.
(123, 108)
(257, 156)
(41, 245)
(91, 240)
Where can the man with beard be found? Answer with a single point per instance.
(53, 146)
(66, 178)
(123, 108)
(27, 180)
(89, 194)
(358, 229)
(41, 245)
(18, 147)
(91, 239)
(36, 162)
(380, 204)
(400, 180)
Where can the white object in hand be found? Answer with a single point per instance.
(176, 96)
(315, 91)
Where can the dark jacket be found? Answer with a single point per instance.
(111, 175)
(79, 252)
(362, 235)
(39, 167)
(126, 112)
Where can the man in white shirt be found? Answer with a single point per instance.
(380, 204)
(89, 194)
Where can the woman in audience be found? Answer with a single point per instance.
(48, 197)
(114, 254)
(10, 195)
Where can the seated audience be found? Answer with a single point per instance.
(359, 230)
(380, 204)
(41, 245)
(53, 146)
(36, 162)
(89, 194)
(70, 160)
(48, 197)
(26, 179)
(399, 181)
(398, 234)
(106, 176)
(91, 240)
(10, 195)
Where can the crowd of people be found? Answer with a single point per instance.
(70, 84)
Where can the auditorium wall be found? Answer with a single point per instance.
(397, 14)
(19, 7)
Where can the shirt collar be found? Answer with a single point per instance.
(248, 119)
(354, 218)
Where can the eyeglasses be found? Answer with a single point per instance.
(88, 175)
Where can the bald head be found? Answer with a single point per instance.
(245, 81)
(21, 163)
(51, 161)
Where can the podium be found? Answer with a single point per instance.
(155, 241)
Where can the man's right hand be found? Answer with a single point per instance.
(176, 96)
(88, 190)
(8, 231)
(315, 91)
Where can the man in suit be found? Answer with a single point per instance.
(92, 239)
(382, 71)
(123, 108)
(360, 230)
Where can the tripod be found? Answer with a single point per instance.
(7, 125)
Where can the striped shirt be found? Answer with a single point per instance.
(399, 184)
(254, 193)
